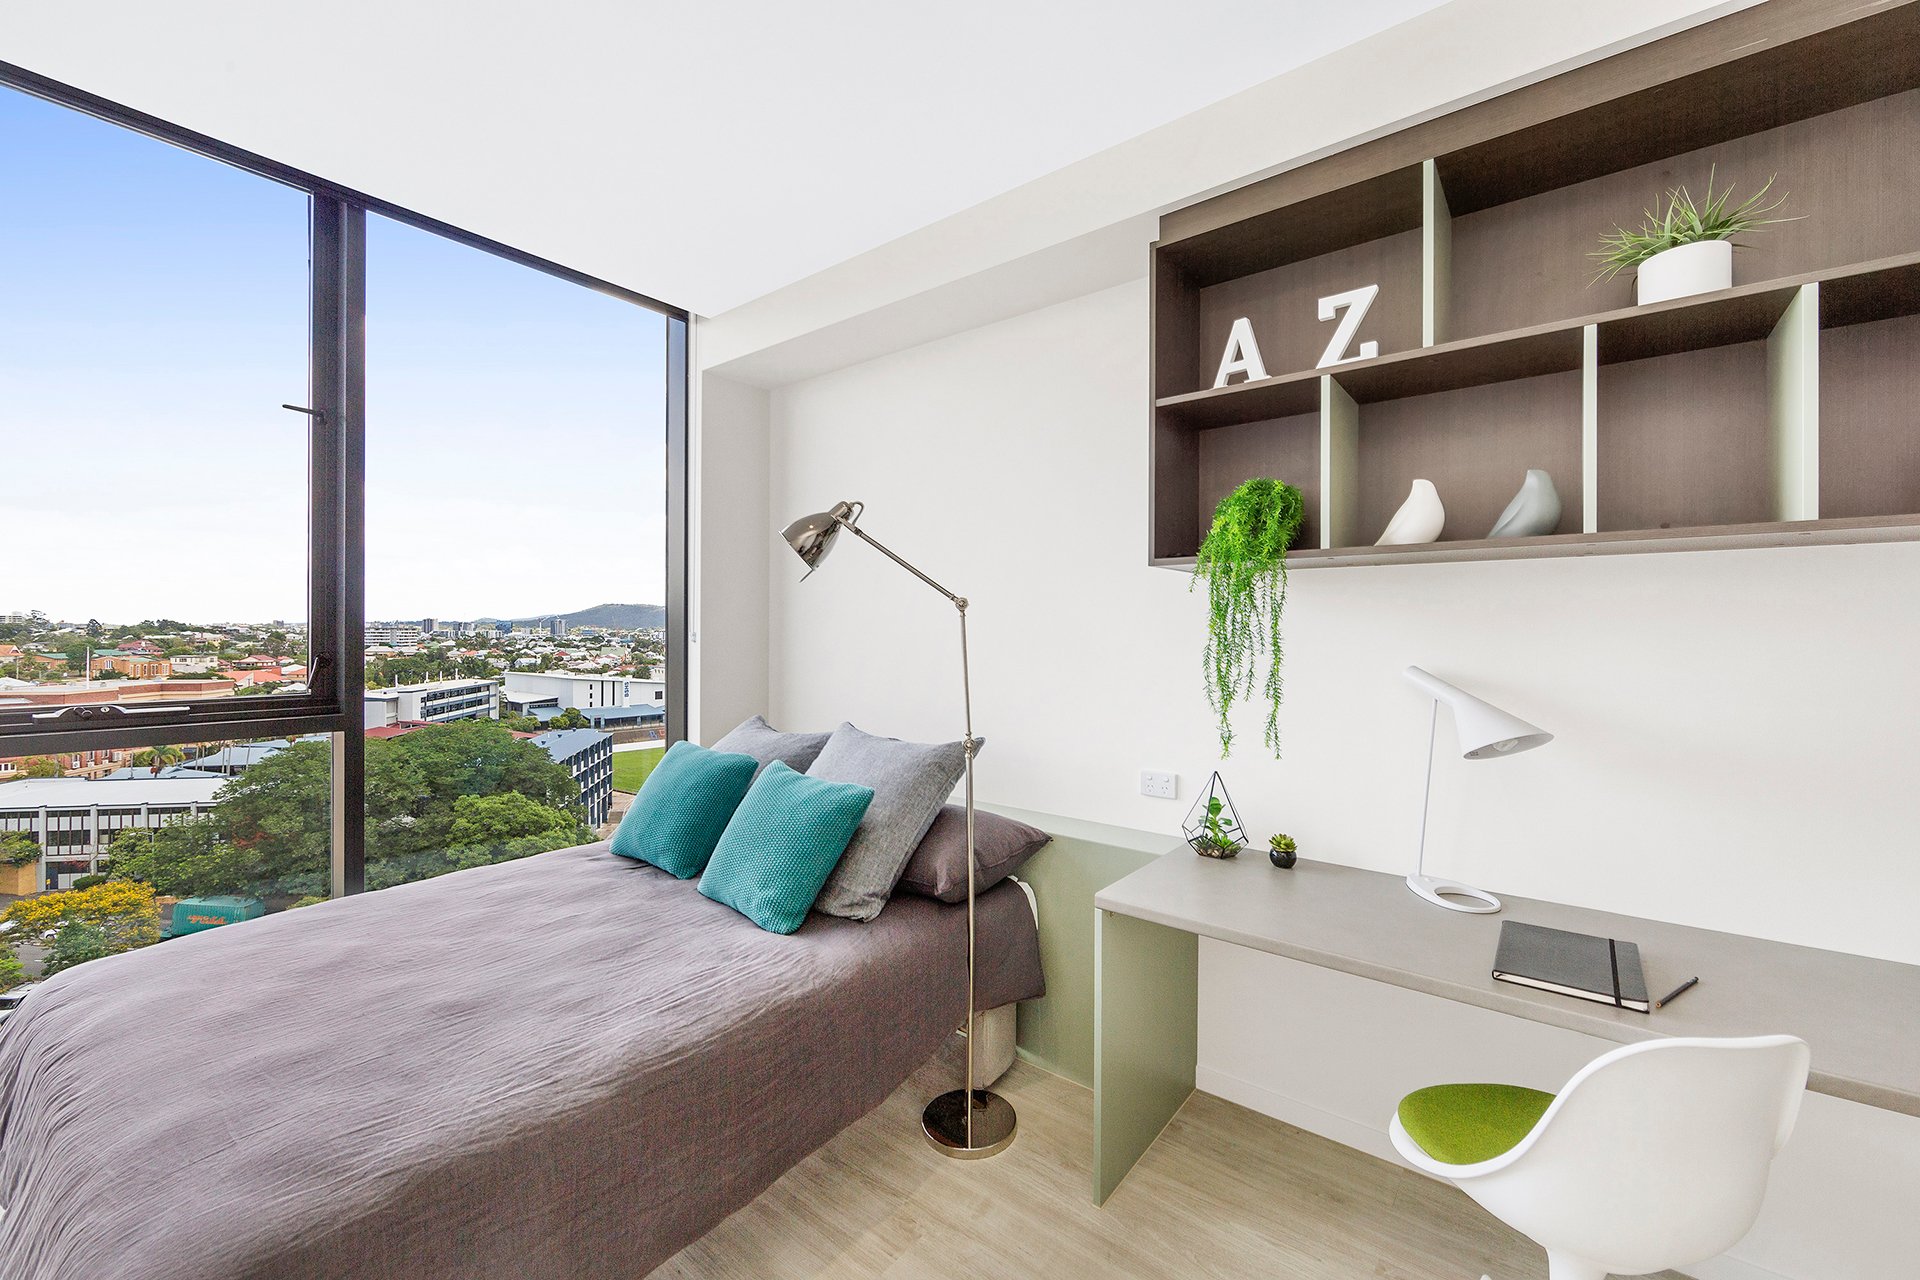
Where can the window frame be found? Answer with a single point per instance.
(336, 562)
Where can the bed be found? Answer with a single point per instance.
(568, 1066)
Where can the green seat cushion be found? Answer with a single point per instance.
(1468, 1123)
(784, 841)
(683, 807)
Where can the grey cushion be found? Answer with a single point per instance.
(910, 781)
(766, 744)
(1001, 846)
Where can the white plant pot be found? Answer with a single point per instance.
(1704, 266)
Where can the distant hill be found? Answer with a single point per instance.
(617, 617)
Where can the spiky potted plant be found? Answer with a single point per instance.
(1688, 247)
(1243, 561)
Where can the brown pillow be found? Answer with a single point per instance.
(1001, 846)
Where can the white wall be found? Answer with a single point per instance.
(729, 564)
(1736, 730)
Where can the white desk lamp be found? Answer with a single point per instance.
(1485, 732)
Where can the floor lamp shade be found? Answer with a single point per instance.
(1484, 732)
(811, 537)
(967, 1123)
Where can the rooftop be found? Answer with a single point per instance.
(562, 743)
(82, 793)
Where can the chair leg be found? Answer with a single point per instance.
(1564, 1266)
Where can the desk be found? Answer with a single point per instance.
(1861, 1017)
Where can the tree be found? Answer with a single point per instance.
(438, 799)
(571, 718)
(12, 972)
(183, 859)
(18, 849)
(413, 781)
(156, 759)
(85, 924)
(499, 819)
(485, 830)
(41, 767)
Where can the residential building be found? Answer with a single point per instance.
(195, 663)
(75, 692)
(74, 820)
(434, 702)
(133, 665)
(587, 754)
(398, 634)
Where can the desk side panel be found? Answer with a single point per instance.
(1146, 1038)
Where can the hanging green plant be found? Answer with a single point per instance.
(1244, 561)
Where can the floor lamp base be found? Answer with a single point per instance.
(945, 1121)
(1450, 894)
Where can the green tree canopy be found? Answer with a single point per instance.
(438, 799)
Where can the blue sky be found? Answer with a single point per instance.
(153, 317)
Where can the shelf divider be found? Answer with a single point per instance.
(1793, 400)
(1339, 465)
(1590, 429)
(1436, 255)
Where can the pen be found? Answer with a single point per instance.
(1675, 994)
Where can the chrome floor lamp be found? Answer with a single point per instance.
(966, 1123)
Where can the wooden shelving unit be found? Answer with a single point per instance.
(1784, 411)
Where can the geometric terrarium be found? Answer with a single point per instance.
(1212, 827)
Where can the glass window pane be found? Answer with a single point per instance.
(153, 318)
(118, 848)
(516, 554)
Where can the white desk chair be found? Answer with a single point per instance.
(1654, 1156)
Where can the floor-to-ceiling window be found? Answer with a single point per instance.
(299, 493)
(516, 538)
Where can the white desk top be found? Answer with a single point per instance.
(1860, 1016)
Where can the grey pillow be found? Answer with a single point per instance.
(1001, 846)
(910, 781)
(766, 744)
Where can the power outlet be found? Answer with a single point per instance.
(1161, 786)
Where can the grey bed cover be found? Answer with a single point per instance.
(566, 1066)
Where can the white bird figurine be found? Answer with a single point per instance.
(1534, 510)
(1419, 518)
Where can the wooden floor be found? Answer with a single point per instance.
(1225, 1192)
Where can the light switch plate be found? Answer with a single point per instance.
(1159, 785)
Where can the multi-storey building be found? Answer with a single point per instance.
(435, 702)
(587, 754)
(393, 633)
(530, 690)
(74, 820)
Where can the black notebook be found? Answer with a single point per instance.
(1603, 970)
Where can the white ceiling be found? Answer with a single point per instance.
(704, 154)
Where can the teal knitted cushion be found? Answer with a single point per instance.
(1468, 1123)
(682, 808)
(783, 843)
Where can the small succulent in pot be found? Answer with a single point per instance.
(1282, 851)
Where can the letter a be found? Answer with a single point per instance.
(1241, 356)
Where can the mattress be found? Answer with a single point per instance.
(569, 1066)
